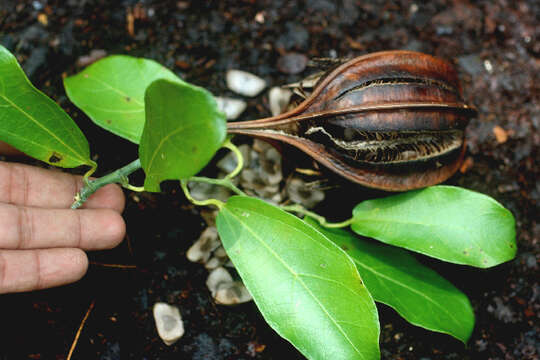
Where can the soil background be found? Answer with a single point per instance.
(494, 44)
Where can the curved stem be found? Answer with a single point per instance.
(239, 158)
(322, 220)
(222, 182)
(118, 176)
(183, 184)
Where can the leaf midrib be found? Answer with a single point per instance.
(406, 287)
(46, 130)
(295, 275)
(118, 91)
(464, 231)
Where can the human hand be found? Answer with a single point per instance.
(41, 239)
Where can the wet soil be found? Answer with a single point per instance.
(494, 44)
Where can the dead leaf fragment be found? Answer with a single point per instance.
(466, 165)
(500, 134)
(130, 22)
(42, 18)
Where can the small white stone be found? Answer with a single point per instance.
(228, 163)
(203, 191)
(278, 99)
(488, 66)
(220, 252)
(219, 258)
(225, 290)
(168, 322)
(201, 249)
(232, 294)
(301, 193)
(217, 277)
(231, 107)
(244, 83)
(215, 262)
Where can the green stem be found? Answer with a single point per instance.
(322, 220)
(219, 204)
(222, 182)
(239, 159)
(119, 176)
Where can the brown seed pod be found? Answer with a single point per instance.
(392, 120)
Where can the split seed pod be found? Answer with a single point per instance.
(392, 120)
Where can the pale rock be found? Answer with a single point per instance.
(270, 162)
(278, 98)
(263, 174)
(302, 193)
(168, 322)
(219, 258)
(231, 107)
(202, 191)
(201, 249)
(232, 294)
(244, 83)
(225, 290)
(94, 56)
(217, 277)
(227, 163)
(215, 262)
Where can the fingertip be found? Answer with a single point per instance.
(79, 263)
(114, 229)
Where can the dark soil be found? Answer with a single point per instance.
(494, 44)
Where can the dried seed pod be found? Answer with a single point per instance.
(391, 120)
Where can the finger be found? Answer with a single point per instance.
(26, 270)
(31, 186)
(34, 228)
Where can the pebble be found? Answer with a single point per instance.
(262, 174)
(232, 294)
(217, 277)
(203, 191)
(292, 63)
(168, 322)
(202, 249)
(278, 99)
(94, 56)
(244, 83)
(301, 193)
(225, 290)
(231, 107)
(219, 258)
(228, 163)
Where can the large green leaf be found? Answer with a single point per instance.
(33, 123)
(183, 131)
(445, 222)
(395, 278)
(306, 287)
(111, 92)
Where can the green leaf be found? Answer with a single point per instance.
(34, 124)
(306, 287)
(395, 278)
(444, 222)
(183, 131)
(111, 92)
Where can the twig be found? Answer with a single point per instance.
(301, 210)
(119, 176)
(115, 266)
(78, 334)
